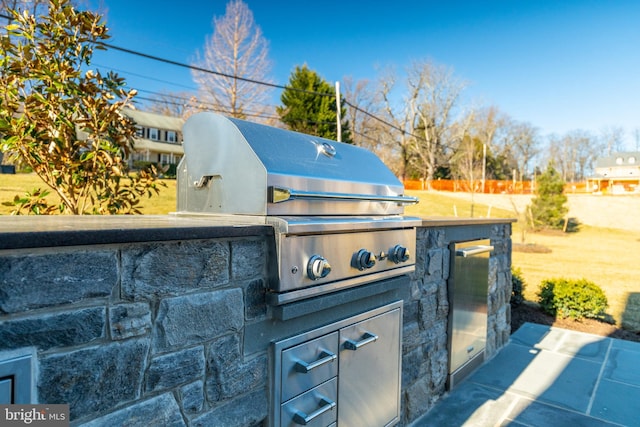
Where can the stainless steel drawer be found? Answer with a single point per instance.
(362, 381)
(316, 407)
(309, 364)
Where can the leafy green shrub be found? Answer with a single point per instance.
(517, 286)
(572, 298)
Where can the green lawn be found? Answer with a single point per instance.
(606, 257)
(18, 184)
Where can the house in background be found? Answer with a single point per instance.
(616, 174)
(158, 138)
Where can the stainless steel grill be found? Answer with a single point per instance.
(336, 208)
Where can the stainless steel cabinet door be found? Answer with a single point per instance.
(369, 377)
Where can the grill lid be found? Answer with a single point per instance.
(238, 167)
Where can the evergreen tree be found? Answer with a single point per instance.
(548, 207)
(305, 107)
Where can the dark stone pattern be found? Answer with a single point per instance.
(228, 375)
(50, 330)
(255, 299)
(151, 271)
(95, 379)
(154, 333)
(171, 370)
(37, 281)
(129, 320)
(247, 411)
(248, 259)
(498, 307)
(158, 411)
(192, 397)
(196, 318)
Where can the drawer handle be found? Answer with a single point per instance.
(304, 419)
(325, 357)
(367, 338)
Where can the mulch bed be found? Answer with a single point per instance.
(528, 312)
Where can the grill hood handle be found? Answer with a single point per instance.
(281, 194)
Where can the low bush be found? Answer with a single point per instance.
(517, 286)
(572, 298)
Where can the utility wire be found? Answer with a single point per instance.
(258, 82)
(131, 73)
(210, 107)
(163, 97)
(205, 70)
(213, 107)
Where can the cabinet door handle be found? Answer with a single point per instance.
(473, 250)
(303, 419)
(367, 338)
(325, 357)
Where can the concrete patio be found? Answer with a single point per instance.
(548, 376)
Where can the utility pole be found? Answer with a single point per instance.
(484, 166)
(338, 118)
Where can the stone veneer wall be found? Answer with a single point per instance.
(425, 354)
(143, 334)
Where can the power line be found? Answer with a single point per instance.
(258, 82)
(205, 70)
(212, 107)
(161, 96)
(144, 77)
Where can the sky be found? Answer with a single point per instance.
(558, 65)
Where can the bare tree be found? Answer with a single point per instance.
(487, 123)
(400, 137)
(467, 158)
(573, 153)
(612, 138)
(175, 104)
(490, 126)
(238, 50)
(524, 141)
(435, 95)
(364, 106)
(423, 122)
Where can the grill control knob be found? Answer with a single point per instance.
(398, 254)
(363, 259)
(318, 267)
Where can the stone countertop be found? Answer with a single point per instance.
(446, 221)
(21, 232)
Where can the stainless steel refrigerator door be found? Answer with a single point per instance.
(468, 291)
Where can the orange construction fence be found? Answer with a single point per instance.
(490, 186)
